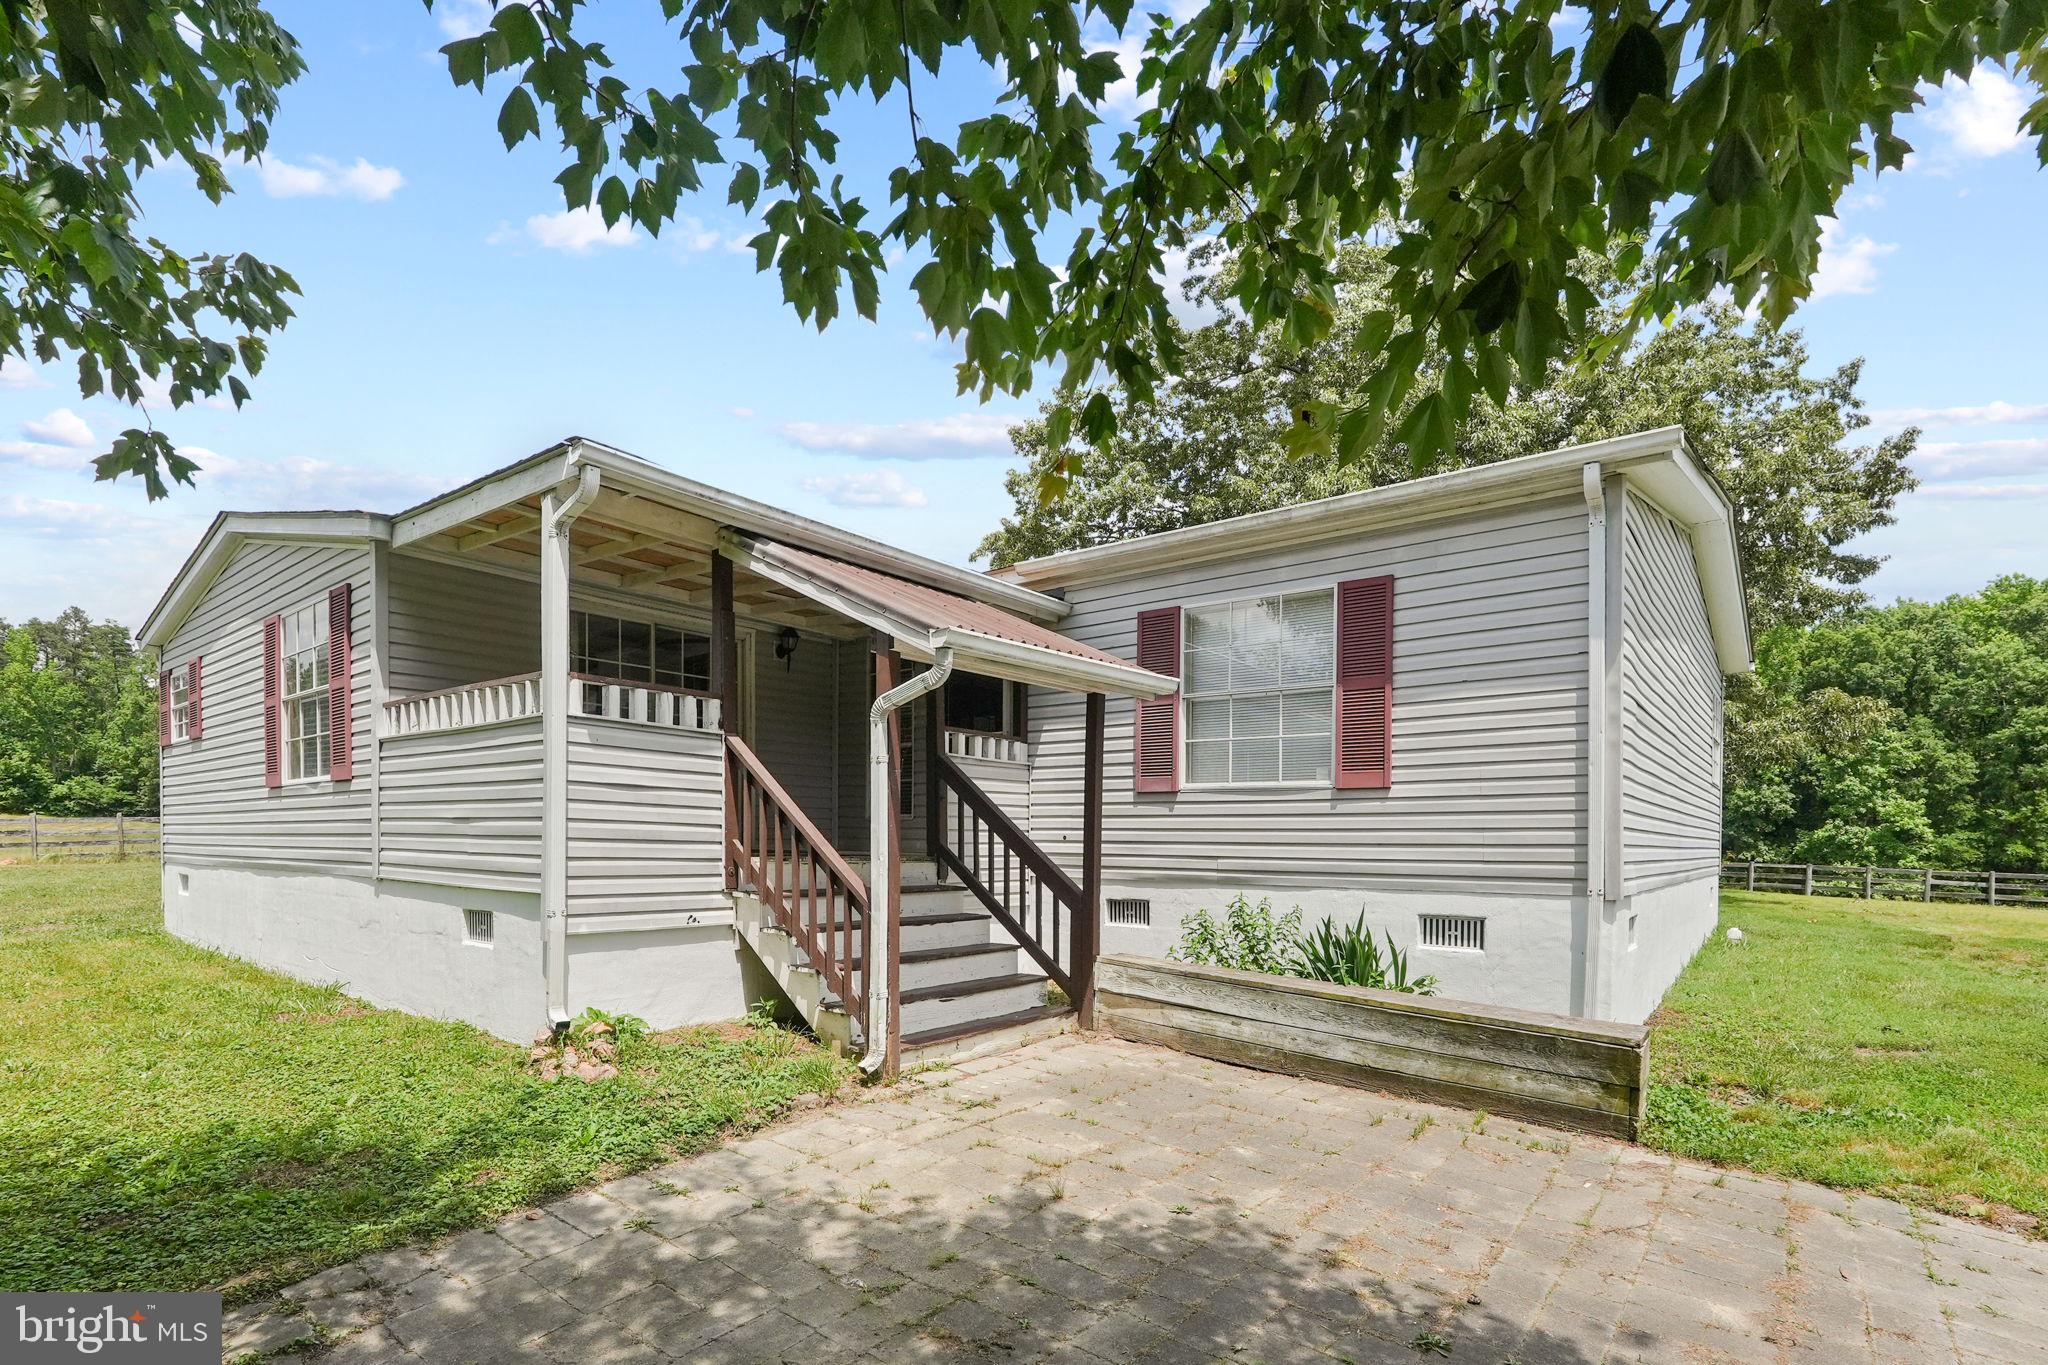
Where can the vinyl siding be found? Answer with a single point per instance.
(450, 625)
(215, 806)
(1006, 784)
(462, 808)
(796, 728)
(1670, 708)
(646, 816)
(1489, 723)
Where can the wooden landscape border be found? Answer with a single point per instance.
(1577, 1073)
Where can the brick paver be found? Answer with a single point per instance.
(1093, 1201)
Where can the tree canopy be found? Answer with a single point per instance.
(1914, 735)
(77, 719)
(1217, 439)
(93, 93)
(1493, 145)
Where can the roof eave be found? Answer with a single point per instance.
(228, 532)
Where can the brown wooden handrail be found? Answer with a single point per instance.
(813, 892)
(1024, 866)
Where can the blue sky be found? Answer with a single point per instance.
(455, 319)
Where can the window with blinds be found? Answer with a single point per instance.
(1258, 678)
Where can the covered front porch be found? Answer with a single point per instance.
(732, 709)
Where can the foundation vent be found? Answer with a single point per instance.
(476, 927)
(1130, 911)
(1454, 931)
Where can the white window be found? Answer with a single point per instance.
(639, 651)
(304, 680)
(181, 702)
(1259, 678)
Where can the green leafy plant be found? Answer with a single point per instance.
(1351, 956)
(1247, 937)
(623, 1028)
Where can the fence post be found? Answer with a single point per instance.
(1752, 874)
(1869, 882)
(120, 837)
(1809, 879)
(1991, 883)
(35, 838)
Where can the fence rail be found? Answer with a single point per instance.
(36, 837)
(1890, 883)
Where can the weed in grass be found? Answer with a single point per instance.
(1422, 1125)
(1182, 1208)
(1430, 1342)
(942, 1259)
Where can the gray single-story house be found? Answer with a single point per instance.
(585, 732)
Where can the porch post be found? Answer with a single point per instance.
(559, 507)
(725, 682)
(885, 865)
(934, 788)
(1088, 924)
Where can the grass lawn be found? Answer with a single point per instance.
(174, 1119)
(1878, 1045)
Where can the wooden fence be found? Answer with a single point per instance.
(1890, 883)
(32, 838)
(1579, 1073)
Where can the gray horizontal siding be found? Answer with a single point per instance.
(1490, 666)
(796, 724)
(1006, 784)
(646, 817)
(215, 806)
(462, 808)
(450, 625)
(1670, 708)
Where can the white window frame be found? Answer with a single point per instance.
(291, 699)
(181, 703)
(1187, 698)
(696, 624)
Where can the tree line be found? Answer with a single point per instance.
(77, 719)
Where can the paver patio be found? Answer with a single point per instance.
(1090, 1200)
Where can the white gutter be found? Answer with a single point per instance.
(883, 890)
(558, 513)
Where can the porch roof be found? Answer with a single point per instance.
(923, 620)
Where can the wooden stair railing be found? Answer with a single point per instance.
(815, 896)
(1024, 890)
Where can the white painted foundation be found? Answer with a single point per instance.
(1671, 923)
(1527, 963)
(393, 944)
(669, 977)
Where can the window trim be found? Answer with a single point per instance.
(181, 702)
(665, 614)
(1183, 697)
(288, 699)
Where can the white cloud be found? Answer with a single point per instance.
(741, 412)
(965, 435)
(2002, 492)
(1848, 265)
(293, 482)
(875, 488)
(1998, 413)
(58, 517)
(692, 236)
(62, 427)
(324, 177)
(1980, 116)
(40, 455)
(1948, 461)
(576, 231)
(16, 373)
(463, 18)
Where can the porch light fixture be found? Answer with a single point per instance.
(785, 646)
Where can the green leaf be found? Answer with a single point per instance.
(524, 41)
(746, 186)
(1737, 170)
(1492, 301)
(518, 118)
(612, 199)
(466, 61)
(1636, 68)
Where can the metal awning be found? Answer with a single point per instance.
(922, 620)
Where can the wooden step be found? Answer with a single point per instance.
(980, 985)
(956, 1040)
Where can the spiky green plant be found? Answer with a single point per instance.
(1351, 956)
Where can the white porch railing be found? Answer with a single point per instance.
(982, 744)
(463, 708)
(645, 703)
(510, 699)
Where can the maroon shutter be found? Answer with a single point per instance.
(195, 714)
(163, 708)
(1365, 682)
(273, 701)
(340, 714)
(1158, 737)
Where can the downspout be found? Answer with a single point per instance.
(1597, 721)
(558, 513)
(882, 891)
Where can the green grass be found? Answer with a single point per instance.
(174, 1119)
(1887, 1046)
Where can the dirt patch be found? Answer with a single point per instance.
(2004, 1217)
